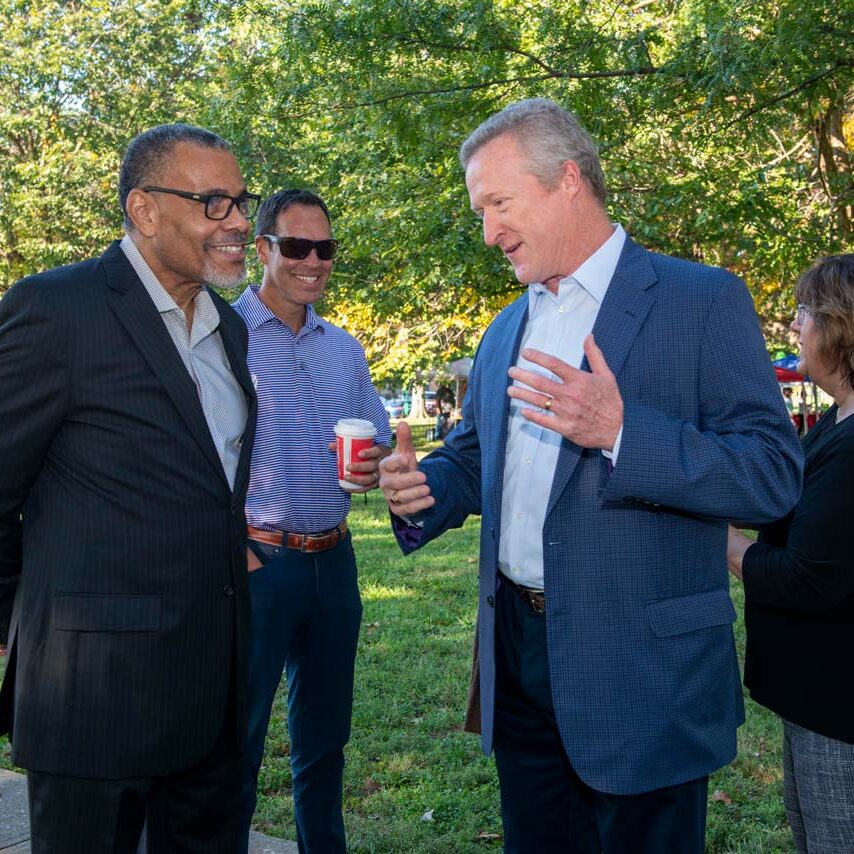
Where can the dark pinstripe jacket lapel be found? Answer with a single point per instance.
(233, 331)
(136, 312)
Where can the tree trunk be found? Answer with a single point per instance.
(835, 166)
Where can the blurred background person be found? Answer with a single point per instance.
(787, 398)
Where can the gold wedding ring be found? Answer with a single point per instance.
(393, 498)
(548, 404)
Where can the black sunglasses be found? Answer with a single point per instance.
(297, 248)
(217, 205)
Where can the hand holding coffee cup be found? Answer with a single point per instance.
(357, 454)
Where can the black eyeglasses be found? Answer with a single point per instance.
(217, 205)
(297, 248)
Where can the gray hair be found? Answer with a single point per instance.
(548, 135)
(147, 152)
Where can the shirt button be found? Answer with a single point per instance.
(228, 590)
(560, 309)
(520, 515)
(527, 461)
(490, 600)
(515, 570)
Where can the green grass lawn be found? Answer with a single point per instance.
(408, 757)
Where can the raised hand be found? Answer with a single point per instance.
(405, 488)
(586, 408)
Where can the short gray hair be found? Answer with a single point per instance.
(147, 152)
(548, 135)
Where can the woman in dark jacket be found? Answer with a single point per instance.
(799, 583)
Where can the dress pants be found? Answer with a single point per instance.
(546, 808)
(197, 809)
(306, 612)
(818, 786)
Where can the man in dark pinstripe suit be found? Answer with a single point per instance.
(126, 421)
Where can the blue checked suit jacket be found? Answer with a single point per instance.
(642, 659)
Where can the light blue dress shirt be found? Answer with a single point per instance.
(557, 324)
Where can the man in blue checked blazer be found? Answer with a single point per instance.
(618, 414)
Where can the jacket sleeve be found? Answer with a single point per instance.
(741, 458)
(814, 571)
(453, 475)
(34, 393)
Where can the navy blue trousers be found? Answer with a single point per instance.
(193, 810)
(306, 612)
(545, 806)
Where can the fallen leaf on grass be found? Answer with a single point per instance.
(723, 797)
(370, 787)
(372, 625)
(486, 836)
(428, 816)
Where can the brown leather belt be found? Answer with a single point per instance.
(536, 599)
(319, 542)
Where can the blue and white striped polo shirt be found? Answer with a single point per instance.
(305, 383)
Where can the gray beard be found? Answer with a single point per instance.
(216, 278)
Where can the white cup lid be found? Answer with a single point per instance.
(358, 428)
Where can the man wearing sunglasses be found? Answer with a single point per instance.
(306, 608)
(127, 417)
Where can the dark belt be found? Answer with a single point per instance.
(319, 542)
(536, 599)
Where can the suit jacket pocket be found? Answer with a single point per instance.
(681, 614)
(98, 612)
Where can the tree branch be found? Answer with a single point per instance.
(810, 81)
(472, 87)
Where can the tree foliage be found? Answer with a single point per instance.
(724, 126)
(78, 80)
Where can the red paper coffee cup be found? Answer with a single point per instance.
(352, 436)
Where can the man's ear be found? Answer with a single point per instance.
(262, 248)
(142, 212)
(571, 179)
